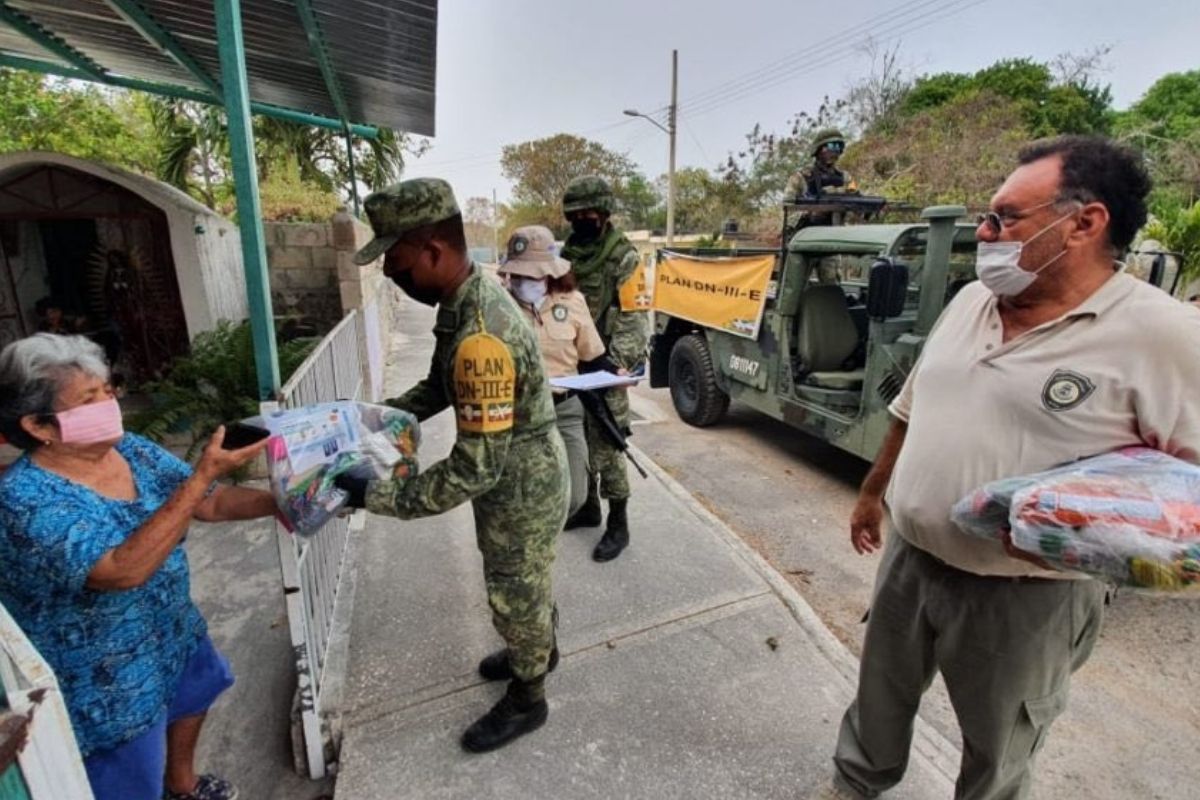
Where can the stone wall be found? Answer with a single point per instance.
(315, 282)
(366, 288)
(304, 277)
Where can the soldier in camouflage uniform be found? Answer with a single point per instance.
(604, 262)
(823, 176)
(508, 458)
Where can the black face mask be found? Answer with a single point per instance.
(586, 229)
(429, 297)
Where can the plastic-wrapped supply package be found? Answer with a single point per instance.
(1132, 516)
(310, 446)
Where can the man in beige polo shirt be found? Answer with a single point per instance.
(1053, 355)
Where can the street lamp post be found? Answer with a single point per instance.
(669, 129)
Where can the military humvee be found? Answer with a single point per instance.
(847, 312)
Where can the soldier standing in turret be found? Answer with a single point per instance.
(603, 261)
(822, 176)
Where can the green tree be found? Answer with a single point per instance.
(193, 148)
(931, 91)
(193, 141)
(519, 214)
(643, 206)
(478, 215)
(1070, 102)
(699, 201)
(541, 169)
(1170, 109)
(1177, 227)
(42, 113)
(1165, 125)
(752, 181)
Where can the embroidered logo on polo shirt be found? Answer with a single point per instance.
(1065, 390)
(559, 312)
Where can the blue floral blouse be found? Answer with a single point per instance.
(118, 655)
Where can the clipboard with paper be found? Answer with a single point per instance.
(593, 380)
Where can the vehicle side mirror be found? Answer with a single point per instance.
(887, 288)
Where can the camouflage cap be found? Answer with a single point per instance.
(825, 137)
(531, 253)
(401, 207)
(590, 192)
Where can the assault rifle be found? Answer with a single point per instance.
(594, 403)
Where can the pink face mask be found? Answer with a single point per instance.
(91, 423)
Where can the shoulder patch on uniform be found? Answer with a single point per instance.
(635, 294)
(485, 385)
(1065, 390)
(559, 312)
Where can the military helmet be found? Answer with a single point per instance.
(825, 137)
(590, 192)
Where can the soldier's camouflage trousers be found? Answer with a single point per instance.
(604, 459)
(516, 525)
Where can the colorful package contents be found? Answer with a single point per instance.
(311, 446)
(1132, 516)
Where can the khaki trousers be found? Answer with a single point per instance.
(570, 415)
(1006, 649)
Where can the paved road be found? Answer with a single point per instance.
(1133, 727)
(689, 669)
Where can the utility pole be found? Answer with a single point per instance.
(669, 130)
(672, 126)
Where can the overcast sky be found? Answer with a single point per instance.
(513, 70)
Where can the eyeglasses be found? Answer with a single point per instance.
(835, 147)
(997, 221)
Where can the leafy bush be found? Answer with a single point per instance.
(285, 197)
(214, 384)
(1177, 227)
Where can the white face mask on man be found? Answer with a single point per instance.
(530, 291)
(998, 264)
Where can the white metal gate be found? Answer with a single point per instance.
(312, 566)
(50, 766)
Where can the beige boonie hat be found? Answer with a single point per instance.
(531, 254)
(401, 207)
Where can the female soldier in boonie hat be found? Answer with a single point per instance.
(544, 287)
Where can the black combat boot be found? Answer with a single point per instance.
(589, 515)
(496, 667)
(616, 535)
(522, 709)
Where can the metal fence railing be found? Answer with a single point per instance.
(49, 766)
(312, 566)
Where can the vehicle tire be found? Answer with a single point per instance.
(698, 398)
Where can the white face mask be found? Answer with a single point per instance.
(998, 264)
(530, 291)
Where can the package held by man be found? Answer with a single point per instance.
(311, 446)
(1132, 516)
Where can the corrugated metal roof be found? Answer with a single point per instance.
(383, 52)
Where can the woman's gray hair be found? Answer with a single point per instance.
(32, 373)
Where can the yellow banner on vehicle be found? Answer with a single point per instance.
(728, 293)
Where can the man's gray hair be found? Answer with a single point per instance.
(32, 373)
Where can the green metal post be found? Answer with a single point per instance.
(353, 176)
(938, 247)
(245, 176)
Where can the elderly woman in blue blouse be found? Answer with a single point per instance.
(91, 567)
